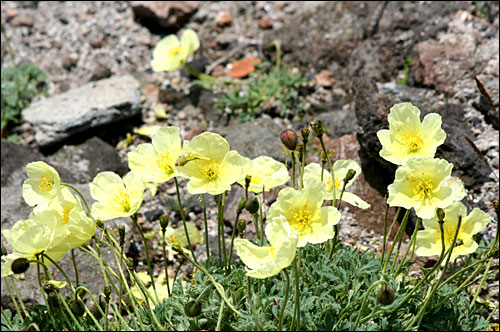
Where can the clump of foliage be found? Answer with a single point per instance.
(19, 86)
(273, 91)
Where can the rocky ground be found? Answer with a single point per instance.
(100, 87)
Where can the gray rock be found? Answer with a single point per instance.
(94, 104)
(14, 159)
(14, 208)
(167, 14)
(254, 139)
(339, 122)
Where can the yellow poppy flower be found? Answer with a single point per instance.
(116, 197)
(265, 172)
(215, 168)
(156, 162)
(160, 284)
(74, 220)
(457, 187)
(418, 185)
(264, 262)
(43, 183)
(340, 169)
(304, 212)
(39, 233)
(407, 137)
(169, 54)
(429, 239)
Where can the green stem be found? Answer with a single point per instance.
(261, 218)
(252, 307)
(18, 295)
(77, 282)
(364, 302)
(176, 273)
(293, 168)
(5, 315)
(337, 227)
(303, 164)
(401, 230)
(491, 314)
(413, 240)
(331, 169)
(166, 262)
(256, 224)
(221, 216)
(206, 225)
(208, 78)
(147, 296)
(219, 320)
(297, 293)
(483, 279)
(218, 287)
(61, 270)
(181, 208)
(96, 322)
(285, 301)
(232, 238)
(396, 237)
(19, 313)
(145, 241)
(385, 235)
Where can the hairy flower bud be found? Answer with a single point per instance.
(242, 225)
(350, 175)
(192, 308)
(241, 205)
(20, 265)
(385, 295)
(99, 224)
(289, 139)
(77, 307)
(318, 128)
(305, 134)
(164, 222)
(440, 214)
(107, 292)
(252, 205)
(248, 179)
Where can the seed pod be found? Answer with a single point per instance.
(305, 134)
(252, 205)
(20, 265)
(77, 307)
(164, 222)
(192, 308)
(318, 128)
(385, 295)
(350, 175)
(440, 214)
(289, 139)
(242, 225)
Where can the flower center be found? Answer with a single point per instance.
(272, 250)
(424, 189)
(449, 234)
(338, 184)
(302, 219)
(122, 200)
(164, 162)
(45, 184)
(412, 141)
(65, 215)
(174, 51)
(209, 169)
(256, 179)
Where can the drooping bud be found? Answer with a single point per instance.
(440, 214)
(241, 205)
(164, 222)
(248, 179)
(20, 265)
(385, 295)
(305, 134)
(121, 232)
(289, 139)
(318, 128)
(192, 308)
(242, 225)
(350, 175)
(77, 307)
(252, 205)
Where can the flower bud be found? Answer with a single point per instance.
(241, 205)
(20, 265)
(318, 128)
(48, 287)
(440, 214)
(242, 225)
(4, 251)
(192, 308)
(164, 222)
(305, 134)
(252, 205)
(385, 295)
(350, 175)
(323, 156)
(289, 139)
(99, 224)
(248, 179)
(77, 307)
(107, 292)
(53, 300)
(121, 232)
